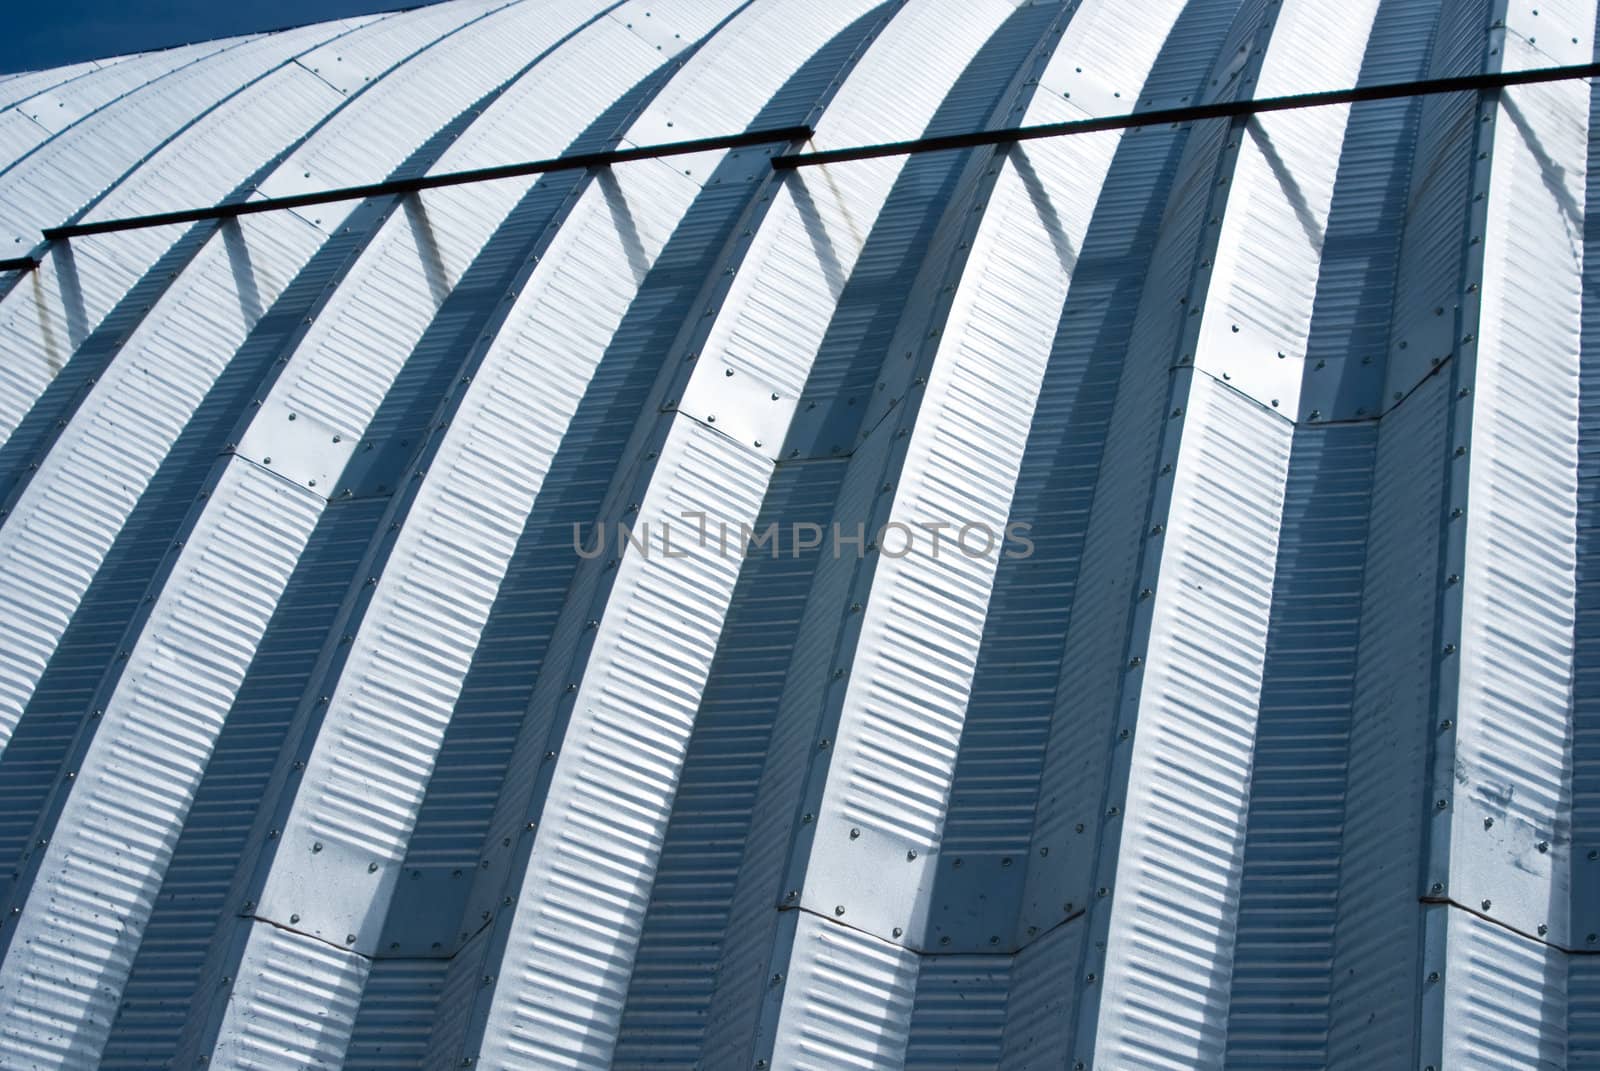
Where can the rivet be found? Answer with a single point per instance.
(838, 909)
(1543, 846)
(855, 833)
(294, 918)
(912, 854)
(1543, 929)
(349, 938)
(372, 868)
(1488, 904)
(317, 847)
(898, 931)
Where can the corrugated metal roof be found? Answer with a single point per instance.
(1115, 601)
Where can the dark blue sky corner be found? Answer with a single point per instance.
(42, 35)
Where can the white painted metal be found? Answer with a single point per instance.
(1281, 754)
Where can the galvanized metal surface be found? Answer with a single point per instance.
(322, 742)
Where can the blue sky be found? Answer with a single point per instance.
(49, 33)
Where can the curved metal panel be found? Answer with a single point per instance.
(329, 736)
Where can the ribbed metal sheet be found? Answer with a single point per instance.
(329, 736)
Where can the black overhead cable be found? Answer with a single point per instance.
(1005, 136)
(1192, 113)
(575, 162)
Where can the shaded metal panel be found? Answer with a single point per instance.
(1289, 887)
(1585, 755)
(1377, 941)
(586, 882)
(1347, 349)
(18, 87)
(1505, 997)
(438, 586)
(318, 404)
(335, 891)
(74, 289)
(166, 975)
(1512, 794)
(1275, 855)
(1429, 281)
(91, 889)
(892, 761)
(294, 1010)
(961, 1010)
(1181, 841)
(727, 509)
(1256, 318)
(71, 510)
(847, 999)
(1045, 988)
(35, 118)
(47, 185)
(1280, 1004)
